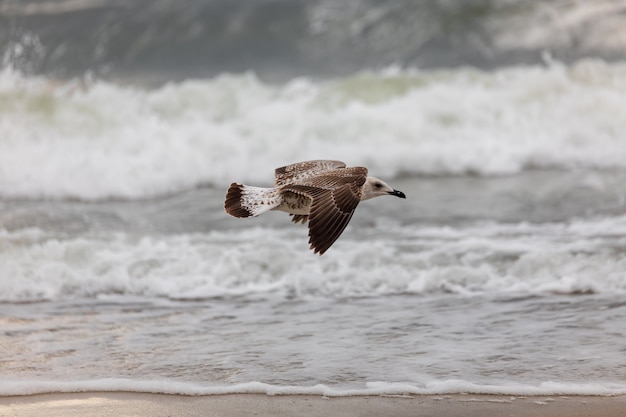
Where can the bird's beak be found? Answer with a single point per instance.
(397, 193)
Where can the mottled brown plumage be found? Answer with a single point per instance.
(325, 193)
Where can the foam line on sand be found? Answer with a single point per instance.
(150, 405)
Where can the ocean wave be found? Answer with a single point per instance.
(280, 39)
(99, 140)
(579, 257)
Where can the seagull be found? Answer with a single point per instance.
(325, 193)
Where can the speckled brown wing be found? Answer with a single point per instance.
(334, 198)
(303, 170)
(299, 218)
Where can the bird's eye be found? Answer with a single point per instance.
(378, 185)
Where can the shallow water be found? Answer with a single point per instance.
(436, 343)
(494, 285)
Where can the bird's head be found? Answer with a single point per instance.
(375, 187)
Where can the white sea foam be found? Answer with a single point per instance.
(582, 256)
(9, 388)
(99, 140)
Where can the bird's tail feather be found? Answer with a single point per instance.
(245, 200)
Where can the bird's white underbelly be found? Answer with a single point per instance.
(295, 204)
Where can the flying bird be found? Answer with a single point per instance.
(324, 193)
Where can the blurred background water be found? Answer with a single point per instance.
(280, 39)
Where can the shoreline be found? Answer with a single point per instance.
(126, 404)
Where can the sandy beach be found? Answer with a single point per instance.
(144, 405)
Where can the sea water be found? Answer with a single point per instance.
(504, 270)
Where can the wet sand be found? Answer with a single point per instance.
(154, 405)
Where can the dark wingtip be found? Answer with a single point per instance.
(319, 247)
(318, 251)
(232, 205)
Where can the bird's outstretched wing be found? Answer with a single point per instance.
(334, 198)
(299, 218)
(303, 170)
